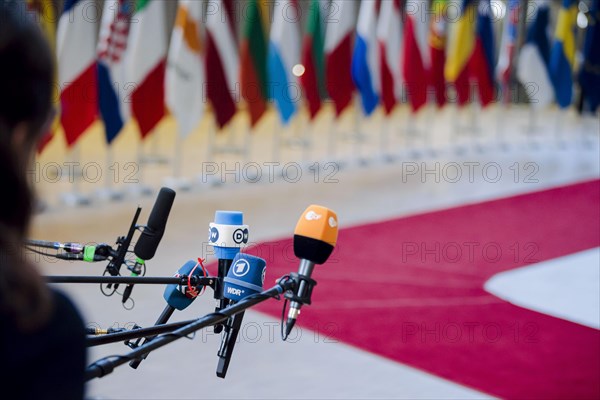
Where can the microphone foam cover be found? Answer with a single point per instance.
(245, 277)
(146, 246)
(316, 234)
(311, 249)
(173, 294)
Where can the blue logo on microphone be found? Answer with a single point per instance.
(213, 234)
(241, 268)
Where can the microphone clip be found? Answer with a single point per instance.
(301, 281)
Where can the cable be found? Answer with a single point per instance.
(191, 336)
(283, 311)
(40, 252)
(102, 289)
(284, 336)
(98, 362)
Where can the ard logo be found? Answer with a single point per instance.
(241, 268)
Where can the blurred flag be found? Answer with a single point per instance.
(534, 59)
(222, 62)
(112, 84)
(416, 52)
(562, 55)
(284, 55)
(146, 63)
(437, 44)
(389, 38)
(589, 77)
(253, 60)
(365, 60)
(461, 44)
(45, 17)
(313, 79)
(482, 63)
(185, 68)
(76, 53)
(338, 53)
(507, 47)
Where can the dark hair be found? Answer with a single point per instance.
(26, 74)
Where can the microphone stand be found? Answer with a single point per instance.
(141, 280)
(231, 327)
(135, 333)
(222, 271)
(106, 365)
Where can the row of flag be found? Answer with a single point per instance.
(394, 49)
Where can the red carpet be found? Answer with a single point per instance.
(411, 290)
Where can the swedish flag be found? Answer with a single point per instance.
(562, 56)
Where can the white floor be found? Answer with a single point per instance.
(309, 368)
(566, 287)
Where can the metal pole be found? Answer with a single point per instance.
(140, 280)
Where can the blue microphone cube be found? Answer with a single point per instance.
(173, 294)
(228, 234)
(245, 277)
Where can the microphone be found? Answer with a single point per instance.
(151, 235)
(315, 237)
(178, 297)
(146, 246)
(227, 235)
(245, 277)
(87, 254)
(76, 251)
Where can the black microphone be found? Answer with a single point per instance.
(315, 237)
(146, 246)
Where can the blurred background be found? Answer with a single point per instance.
(458, 142)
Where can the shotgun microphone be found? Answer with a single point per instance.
(315, 237)
(146, 246)
(151, 235)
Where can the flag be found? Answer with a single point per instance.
(507, 46)
(461, 44)
(253, 59)
(112, 83)
(284, 54)
(589, 77)
(562, 55)
(389, 39)
(365, 60)
(45, 17)
(185, 75)
(437, 49)
(534, 59)
(75, 46)
(146, 63)
(416, 53)
(481, 64)
(338, 54)
(313, 79)
(222, 62)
